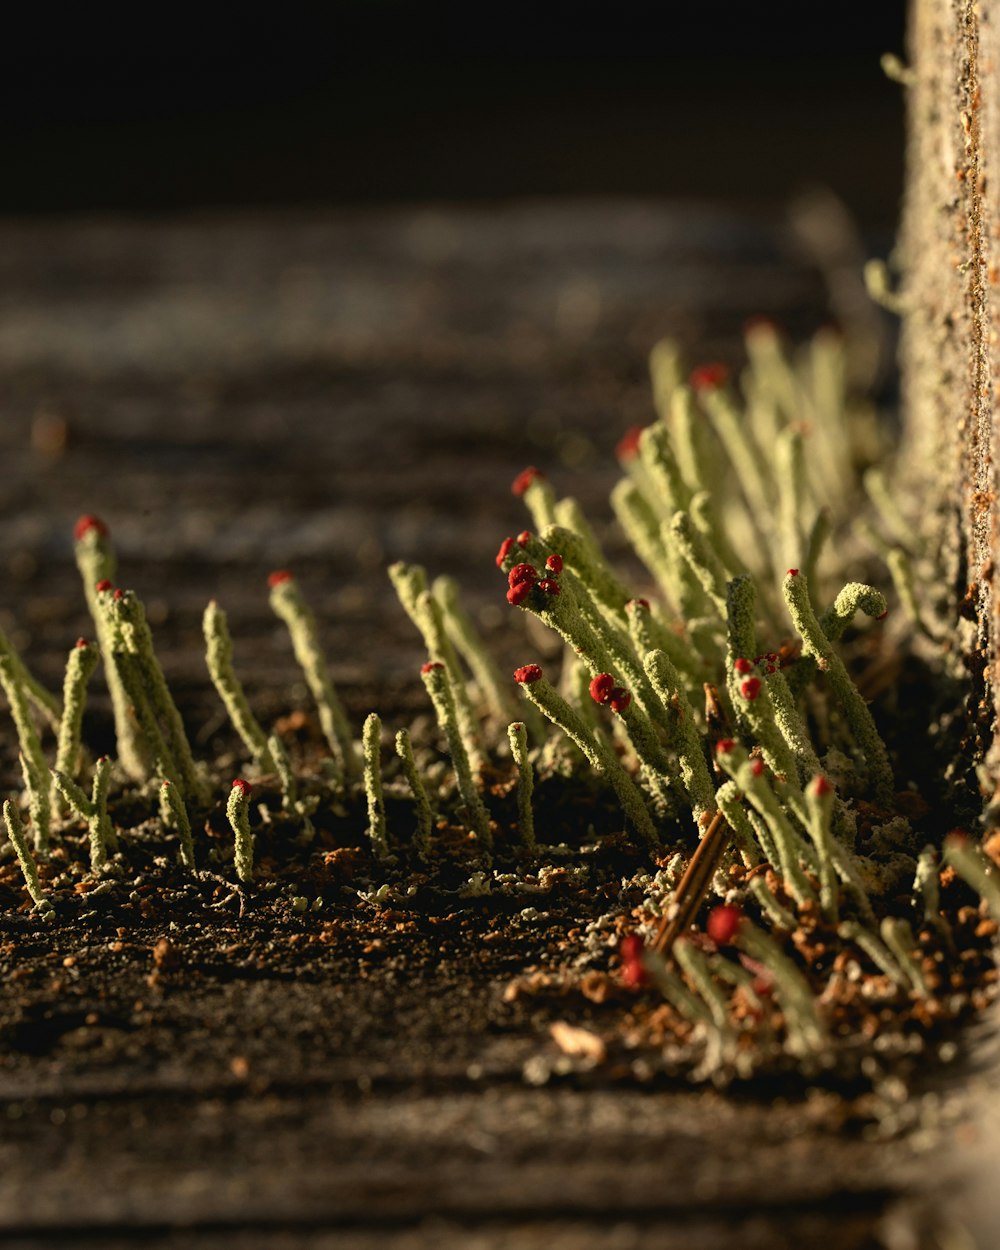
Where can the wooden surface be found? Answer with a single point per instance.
(329, 394)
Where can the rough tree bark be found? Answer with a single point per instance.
(951, 255)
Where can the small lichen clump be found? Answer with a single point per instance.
(716, 711)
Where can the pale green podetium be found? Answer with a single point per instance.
(371, 745)
(435, 678)
(45, 702)
(219, 658)
(83, 659)
(134, 637)
(517, 734)
(15, 831)
(38, 770)
(238, 813)
(97, 563)
(288, 604)
(39, 789)
(410, 584)
(816, 645)
(103, 839)
(174, 813)
(466, 638)
(422, 833)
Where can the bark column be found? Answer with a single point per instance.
(950, 245)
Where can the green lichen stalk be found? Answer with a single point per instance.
(219, 659)
(238, 814)
(98, 565)
(175, 812)
(29, 869)
(133, 637)
(83, 659)
(37, 775)
(371, 746)
(94, 811)
(288, 604)
(435, 677)
(816, 645)
(518, 737)
(422, 833)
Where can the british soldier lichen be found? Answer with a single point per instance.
(716, 710)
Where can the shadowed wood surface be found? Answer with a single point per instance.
(330, 394)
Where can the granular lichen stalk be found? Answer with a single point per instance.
(371, 746)
(518, 736)
(238, 814)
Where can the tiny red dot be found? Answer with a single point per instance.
(601, 687)
(278, 577)
(723, 923)
(526, 675)
(524, 479)
(627, 447)
(89, 522)
(709, 377)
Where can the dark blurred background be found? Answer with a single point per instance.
(364, 101)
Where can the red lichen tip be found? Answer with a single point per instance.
(792, 573)
(522, 573)
(634, 605)
(627, 447)
(81, 644)
(524, 479)
(519, 592)
(524, 538)
(504, 551)
(89, 522)
(430, 666)
(757, 768)
(526, 675)
(620, 699)
(278, 577)
(119, 595)
(820, 786)
(102, 586)
(750, 688)
(742, 666)
(724, 746)
(631, 951)
(882, 615)
(549, 586)
(244, 787)
(723, 923)
(709, 377)
(554, 563)
(601, 687)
